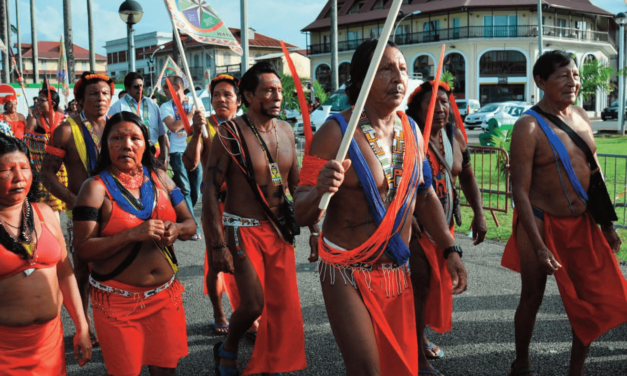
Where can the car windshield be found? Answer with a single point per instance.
(461, 103)
(614, 104)
(338, 101)
(489, 108)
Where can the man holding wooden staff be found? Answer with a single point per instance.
(368, 225)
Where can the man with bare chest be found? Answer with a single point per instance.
(554, 232)
(76, 143)
(255, 155)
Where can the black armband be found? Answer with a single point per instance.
(466, 157)
(85, 214)
(452, 249)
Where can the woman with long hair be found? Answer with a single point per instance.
(36, 275)
(126, 219)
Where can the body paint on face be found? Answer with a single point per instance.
(126, 147)
(15, 178)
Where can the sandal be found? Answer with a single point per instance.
(439, 355)
(521, 371)
(215, 326)
(218, 353)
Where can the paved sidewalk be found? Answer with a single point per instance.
(481, 342)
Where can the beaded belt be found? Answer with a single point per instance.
(128, 294)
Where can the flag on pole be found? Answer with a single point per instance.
(198, 20)
(3, 47)
(170, 69)
(62, 77)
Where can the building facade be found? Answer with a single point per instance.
(117, 51)
(491, 46)
(48, 61)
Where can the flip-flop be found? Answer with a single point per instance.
(219, 352)
(215, 326)
(439, 355)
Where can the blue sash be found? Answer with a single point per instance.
(396, 249)
(146, 192)
(559, 150)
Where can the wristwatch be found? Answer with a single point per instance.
(452, 249)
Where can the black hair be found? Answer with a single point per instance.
(250, 79)
(122, 93)
(215, 83)
(414, 106)
(53, 95)
(129, 78)
(550, 61)
(82, 83)
(104, 160)
(10, 144)
(359, 67)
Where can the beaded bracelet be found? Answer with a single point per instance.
(220, 246)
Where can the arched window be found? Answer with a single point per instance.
(323, 76)
(424, 65)
(503, 63)
(344, 73)
(456, 64)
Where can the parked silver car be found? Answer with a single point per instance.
(480, 118)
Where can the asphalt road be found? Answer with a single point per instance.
(481, 342)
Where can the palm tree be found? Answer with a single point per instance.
(90, 29)
(33, 28)
(69, 42)
(4, 35)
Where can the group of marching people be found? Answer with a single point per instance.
(394, 209)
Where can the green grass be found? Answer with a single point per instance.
(486, 169)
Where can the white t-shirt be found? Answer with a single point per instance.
(178, 140)
(157, 127)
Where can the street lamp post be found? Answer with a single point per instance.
(621, 19)
(131, 13)
(152, 64)
(414, 13)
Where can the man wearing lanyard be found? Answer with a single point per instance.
(187, 181)
(148, 111)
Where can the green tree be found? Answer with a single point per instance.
(595, 76)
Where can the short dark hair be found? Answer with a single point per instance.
(359, 67)
(53, 95)
(219, 80)
(250, 79)
(122, 93)
(129, 78)
(104, 160)
(414, 106)
(550, 61)
(88, 78)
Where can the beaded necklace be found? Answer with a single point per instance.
(275, 173)
(393, 169)
(91, 131)
(145, 114)
(128, 181)
(24, 239)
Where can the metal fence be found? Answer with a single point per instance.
(614, 169)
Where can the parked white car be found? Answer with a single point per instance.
(507, 114)
(467, 106)
(480, 118)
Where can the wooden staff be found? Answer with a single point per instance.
(365, 90)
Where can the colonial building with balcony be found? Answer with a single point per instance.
(491, 45)
(117, 51)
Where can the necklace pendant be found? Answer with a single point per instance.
(275, 173)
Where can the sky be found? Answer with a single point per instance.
(280, 19)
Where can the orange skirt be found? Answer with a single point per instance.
(280, 343)
(137, 331)
(33, 350)
(590, 281)
(439, 305)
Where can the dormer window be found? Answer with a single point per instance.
(379, 4)
(356, 7)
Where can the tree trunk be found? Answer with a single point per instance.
(20, 65)
(90, 28)
(33, 33)
(69, 41)
(8, 40)
(4, 35)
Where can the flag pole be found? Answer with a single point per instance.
(189, 76)
(365, 90)
(154, 86)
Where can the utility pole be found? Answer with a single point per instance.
(69, 41)
(90, 30)
(540, 31)
(3, 34)
(20, 67)
(176, 54)
(334, 67)
(33, 31)
(244, 34)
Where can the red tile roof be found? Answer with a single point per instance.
(50, 50)
(259, 40)
(366, 14)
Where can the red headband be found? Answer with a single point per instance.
(223, 78)
(9, 98)
(443, 85)
(102, 77)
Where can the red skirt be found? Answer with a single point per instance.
(32, 350)
(439, 304)
(280, 343)
(137, 331)
(592, 286)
